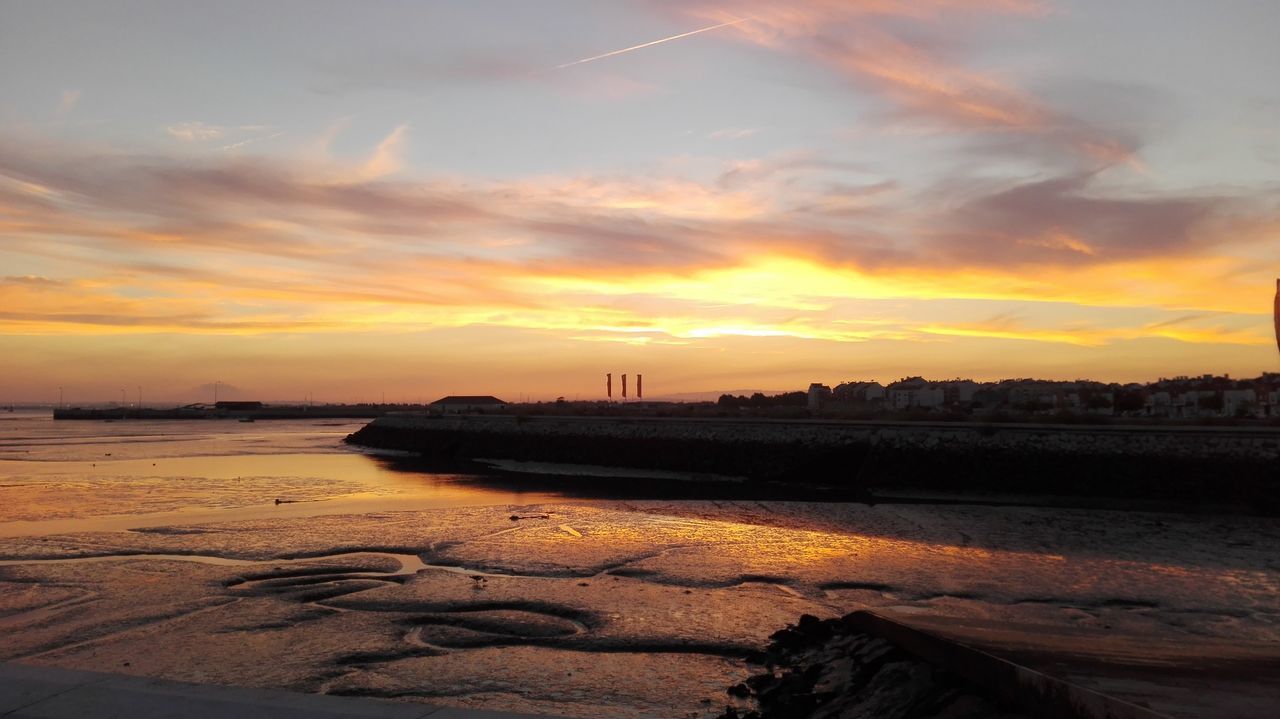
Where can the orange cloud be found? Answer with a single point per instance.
(251, 246)
(1098, 337)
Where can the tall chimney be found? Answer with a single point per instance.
(639, 386)
(624, 386)
(608, 384)
(1276, 313)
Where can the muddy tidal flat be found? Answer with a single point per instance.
(556, 604)
(625, 610)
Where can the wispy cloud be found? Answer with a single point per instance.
(387, 157)
(249, 141)
(733, 133)
(895, 51)
(1071, 219)
(251, 244)
(195, 131)
(896, 184)
(67, 102)
(1097, 336)
(233, 136)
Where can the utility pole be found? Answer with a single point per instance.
(59, 396)
(216, 382)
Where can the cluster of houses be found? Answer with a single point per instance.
(1174, 398)
(1177, 398)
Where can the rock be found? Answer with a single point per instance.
(827, 669)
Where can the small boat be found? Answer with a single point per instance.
(246, 419)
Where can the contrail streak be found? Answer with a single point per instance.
(649, 44)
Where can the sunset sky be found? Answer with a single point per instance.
(511, 197)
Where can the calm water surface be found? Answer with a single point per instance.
(676, 588)
(72, 476)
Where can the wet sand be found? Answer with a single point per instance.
(624, 609)
(377, 580)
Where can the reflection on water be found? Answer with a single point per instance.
(74, 476)
(63, 477)
(31, 436)
(408, 563)
(640, 604)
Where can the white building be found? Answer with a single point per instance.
(1159, 404)
(961, 390)
(1187, 404)
(818, 393)
(1236, 401)
(860, 391)
(916, 393)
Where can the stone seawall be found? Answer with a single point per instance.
(1239, 466)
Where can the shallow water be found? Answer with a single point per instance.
(76, 476)
(377, 580)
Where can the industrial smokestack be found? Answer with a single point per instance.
(1276, 313)
(608, 384)
(624, 386)
(640, 380)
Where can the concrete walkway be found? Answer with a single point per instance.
(31, 692)
(1097, 671)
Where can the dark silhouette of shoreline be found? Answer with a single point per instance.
(1183, 469)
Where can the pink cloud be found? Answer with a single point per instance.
(900, 53)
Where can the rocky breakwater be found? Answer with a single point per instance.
(827, 669)
(1219, 467)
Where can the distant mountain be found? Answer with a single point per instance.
(713, 395)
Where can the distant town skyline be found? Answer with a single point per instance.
(420, 199)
